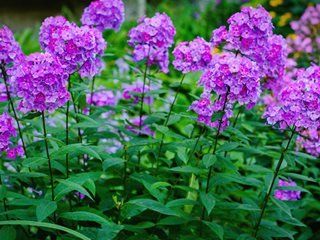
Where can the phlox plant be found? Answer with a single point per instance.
(167, 138)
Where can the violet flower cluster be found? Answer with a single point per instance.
(151, 40)
(102, 97)
(3, 93)
(306, 38)
(235, 79)
(145, 129)
(134, 91)
(287, 195)
(104, 14)
(298, 102)
(192, 56)
(248, 52)
(7, 131)
(250, 34)
(40, 81)
(309, 140)
(77, 48)
(10, 50)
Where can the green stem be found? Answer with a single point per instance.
(215, 144)
(125, 175)
(5, 207)
(5, 78)
(234, 125)
(168, 117)
(67, 137)
(275, 175)
(142, 101)
(91, 95)
(48, 156)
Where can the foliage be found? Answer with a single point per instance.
(122, 184)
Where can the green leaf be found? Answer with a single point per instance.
(228, 147)
(216, 228)
(282, 205)
(69, 187)
(208, 201)
(166, 131)
(209, 160)
(90, 185)
(45, 209)
(181, 202)
(84, 216)
(7, 233)
(75, 149)
(186, 169)
(111, 162)
(34, 162)
(45, 225)
(299, 176)
(109, 231)
(272, 230)
(138, 226)
(182, 154)
(172, 220)
(154, 206)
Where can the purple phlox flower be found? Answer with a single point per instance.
(102, 97)
(3, 93)
(234, 72)
(10, 50)
(7, 131)
(134, 91)
(134, 127)
(77, 48)
(104, 14)
(287, 195)
(307, 31)
(15, 152)
(298, 102)
(192, 56)
(151, 40)
(309, 140)
(41, 83)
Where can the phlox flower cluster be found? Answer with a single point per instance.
(205, 108)
(134, 127)
(3, 93)
(248, 52)
(102, 97)
(15, 152)
(77, 48)
(309, 140)
(298, 102)
(306, 37)
(287, 195)
(104, 14)
(40, 81)
(10, 50)
(234, 78)
(250, 34)
(192, 56)
(134, 91)
(7, 130)
(151, 40)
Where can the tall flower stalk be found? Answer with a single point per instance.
(5, 79)
(270, 189)
(215, 144)
(168, 117)
(48, 154)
